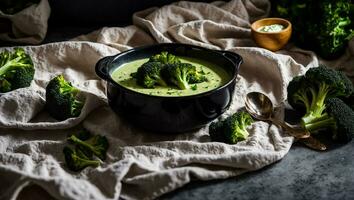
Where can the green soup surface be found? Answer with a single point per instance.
(216, 76)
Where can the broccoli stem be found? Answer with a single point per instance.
(76, 108)
(302, 96)
(86, 162)
(321, 123)
(317, 104)
(182, 82)
(160, 81)
(183, 85)
(77, 160)
(93, 163)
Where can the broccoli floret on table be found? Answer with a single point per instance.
(96, 145)
(86, 146)
(311, 91)
(149, 75)
(231, 130)
(76, 160)
(62, 99)
(339, 117)
(16, 70)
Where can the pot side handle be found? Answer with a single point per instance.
(102, 67)
(233, 57)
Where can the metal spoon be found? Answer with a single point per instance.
(261, 107)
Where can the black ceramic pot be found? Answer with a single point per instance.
(169, 114)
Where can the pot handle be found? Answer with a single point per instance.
(235, 58)
(102, 67)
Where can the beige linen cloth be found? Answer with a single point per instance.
(28, 26)
(141, 165)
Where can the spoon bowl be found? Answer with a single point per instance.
(259, 105)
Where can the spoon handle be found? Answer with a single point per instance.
(303, 136)
(313, 143)
(295, 132)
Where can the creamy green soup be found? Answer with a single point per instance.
(216, 76)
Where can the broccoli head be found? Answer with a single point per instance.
(149, 75)
(231, 130)
(86, 146)
(165, 58)
(62, 99)
(313, 89)
(96, 145)
(76, 160)
(16, 70)
(179, 74)
(334, 28)
(324, 26)
(297, 94)
(339, 117)
(349, 101)
(197, 77)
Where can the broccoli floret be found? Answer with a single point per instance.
(231, 130)
(339, 117)
(96, 145)
(196, 77)
(62, 99)
(349, 101)
(165, 58)
(178, 74)
(324, 26)
(312, 90)
(297, 94)
(334, 27)
(86, 146)
(77, 160)
(16, 70)
(149, 75)
(216, 132)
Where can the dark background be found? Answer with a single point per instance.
(100, 12)
(71, 18)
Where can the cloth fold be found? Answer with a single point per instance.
(144, 165)
(28, 26)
